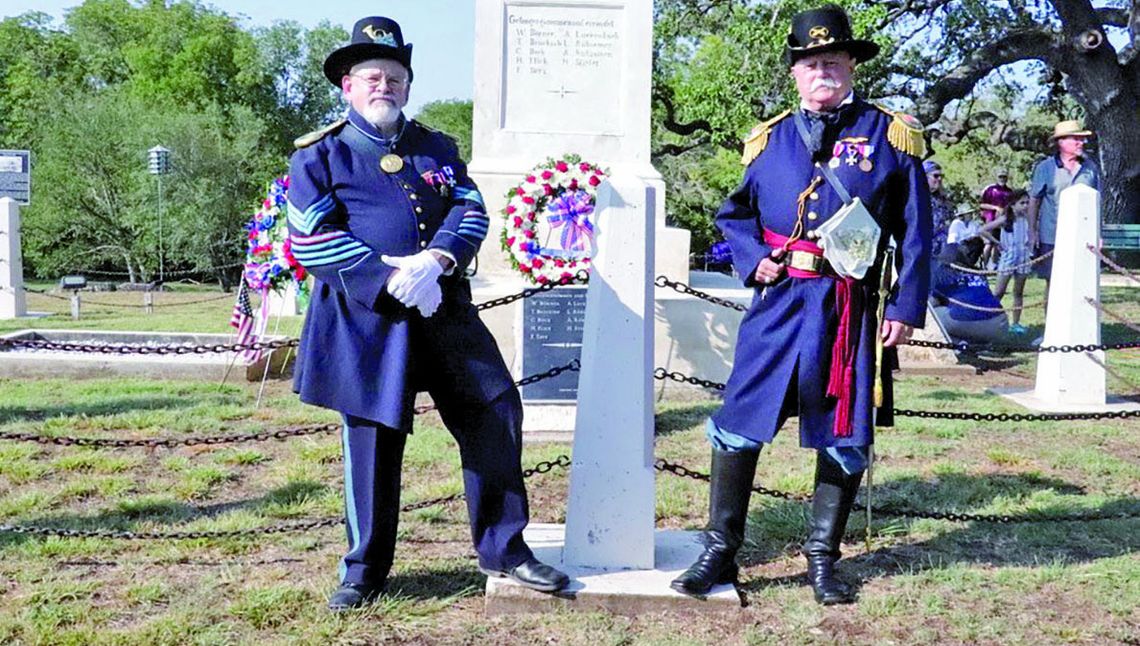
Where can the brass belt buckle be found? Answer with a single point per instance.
(805, 261)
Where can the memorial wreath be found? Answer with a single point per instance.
(269, 261)
(548, 232)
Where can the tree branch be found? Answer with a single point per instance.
(1113, 17)
(1016, 46)
(671, 124)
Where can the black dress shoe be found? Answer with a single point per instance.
(350, 596)
(533, 574)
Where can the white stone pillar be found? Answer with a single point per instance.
(13, 302)
(610, 515)
(1073, 378)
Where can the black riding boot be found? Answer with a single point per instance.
(834, 494)
(730, 486)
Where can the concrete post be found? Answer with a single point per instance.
(610, 515)
(1074, 377)
(13, 301)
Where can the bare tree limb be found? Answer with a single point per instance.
(671, 124)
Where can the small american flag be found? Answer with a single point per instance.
(242, 317)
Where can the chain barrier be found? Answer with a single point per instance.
(580, 278)
(170, 442)
(887, 510)
(545, 466)
(961, 346)
(165, 274)
(677, 286)
(122, 349)
(995, 272)
(133, 305)
(1112, 265)
(662, 374)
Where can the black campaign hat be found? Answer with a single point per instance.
(372, 37)
(826, 29)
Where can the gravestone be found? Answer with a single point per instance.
(556, 77)
(13, 301)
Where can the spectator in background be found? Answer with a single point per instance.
(995, 198)
(941, 209)
(1052, 175)
(1015, 254)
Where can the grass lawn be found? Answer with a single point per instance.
(921, 581)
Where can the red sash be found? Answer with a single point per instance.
(849, 305)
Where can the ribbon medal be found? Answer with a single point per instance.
(853, 151)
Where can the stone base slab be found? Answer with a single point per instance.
(623, 592)
(1027, 397)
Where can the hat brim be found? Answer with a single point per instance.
(861, 50)
(1079, 133)
(340, 61)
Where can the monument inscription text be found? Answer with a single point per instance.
(562, 69)
(552, 328)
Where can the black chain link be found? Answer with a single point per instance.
(581, 278)
(661, 374)
(1016, 417)
(165, 274)
(123, 349)
(678, 286)
(171, 442)
(887, 510)
(962, 346)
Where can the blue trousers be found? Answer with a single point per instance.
(490, 449)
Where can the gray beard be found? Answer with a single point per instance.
(381, 117)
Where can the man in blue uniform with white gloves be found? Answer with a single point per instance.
(828, 187)
(382, 212)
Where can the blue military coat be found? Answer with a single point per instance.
(362, 352)
(783, 350)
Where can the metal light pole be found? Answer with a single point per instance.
(158, 163)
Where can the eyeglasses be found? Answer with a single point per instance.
(936, 175)
(374, 81)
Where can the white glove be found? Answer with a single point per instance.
(415, 283)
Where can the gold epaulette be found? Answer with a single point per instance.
(304, 141)
(905, 133)
(757, 140)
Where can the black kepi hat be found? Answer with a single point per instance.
(826, 29)
(372, 37)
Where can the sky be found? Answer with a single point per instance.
(442, 32)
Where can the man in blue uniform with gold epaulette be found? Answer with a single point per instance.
(828, 188)
(381, 211)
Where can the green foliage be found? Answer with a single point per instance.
(90, 98)
(452, 117)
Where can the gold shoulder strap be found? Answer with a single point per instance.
(757, 140)
(905, 133)
(304, 141)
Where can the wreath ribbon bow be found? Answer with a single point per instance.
(571, 213)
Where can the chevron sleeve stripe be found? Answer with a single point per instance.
(307, 221)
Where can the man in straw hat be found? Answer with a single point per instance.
(827, 186)
(1067, 166)
(381, 211)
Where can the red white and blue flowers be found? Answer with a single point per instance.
(548, 229)
(269, 261)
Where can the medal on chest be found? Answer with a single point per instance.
(853, 151)
(391, 163)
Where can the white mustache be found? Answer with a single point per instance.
(831, 84)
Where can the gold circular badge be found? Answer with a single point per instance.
(391, 163)
(866, 165)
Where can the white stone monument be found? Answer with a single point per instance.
(1072, 381)
(557, 77)
(13, 302)
(609, 546)
(564, 76)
